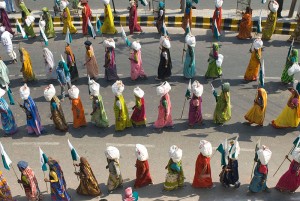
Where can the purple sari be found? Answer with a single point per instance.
(5, 21)
(111, 69)
(195, 113)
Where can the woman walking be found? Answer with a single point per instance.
(189, 69)
(90, 61)
(246, 24)
(49, 64)
(71, 62)
(254, 65)
(133, 23)
(110, 60)
(7, 118)
(270, 24)
(195, 111)
(27, 70)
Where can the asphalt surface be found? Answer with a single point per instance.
(91, 142)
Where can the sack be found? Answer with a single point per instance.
(264, 155)
(205, 148)
(220, 60)
(295, 68)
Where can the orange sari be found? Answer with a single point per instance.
(245, 27)
(202, 177)
(78, 113)
(253, 66)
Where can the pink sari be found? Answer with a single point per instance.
(290, 181)
(162, 112)
(137, 68)
(133, 24)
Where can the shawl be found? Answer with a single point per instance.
(69, 51)
(48, 57)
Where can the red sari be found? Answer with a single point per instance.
(133, 24)
(143, 177)
(218, 17)
(86, 14)
(290, 181)
(202, 177)
(138, 116)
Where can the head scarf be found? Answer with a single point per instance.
(63, 65)
(48, 57)
(87, 43)
(22, 165)
(69, 52)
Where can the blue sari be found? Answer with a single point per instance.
(7, 118)
(189, 69)
(258, 182)
(33, 117)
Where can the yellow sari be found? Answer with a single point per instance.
(253, 66)
(27, 71)
(108, 26)
(257, 113)
(67, 20)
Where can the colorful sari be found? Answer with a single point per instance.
(91, 63)
(108, 26)
(121, 114)
(143, 177)
(189, 69)
(49, 28)
(195, 111)
(78, 113)
(222, 111)
(253, 66)
(290, 115)
(115, 179)
(290, 181)
(27, 70)
(110, 65)
(270, 26)
(5, 193)
(99, 117)
(293, 58)
(188, 16)
(164, 118)
(86, 14)
(88, 182)
(138, 117)
(164, 70)
(133, 24)
(67, 20)
(213, 71)
(175, 176)
(257, 113)
(34, 125)
(25, 13)
(71, 62)
(57, 182)
(246, 25)
(136, 65)
(7, 118)
(259, 180)
(4, 20)
(217, 18)
(57, 115)
(202, 177)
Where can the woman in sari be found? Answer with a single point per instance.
(66, 18)
(175, 176)
(138, 117)
(34, 125)
(110, 60)
(143, 176)
(29, 182)
(57, 114)
(213, 70)
(296, 33)
(108, 26)
(120, 108)
(217, 19)
(290, 115)
(27, 70)
(115, 179)
(88, 182)
(188, 16)
(49, 64)
(7, 118)
(202, 177)
(57, 181)
(49, 28)
(71, 62)
(290, 180)
(137, 70)
(164, 70)
(77, 108)
(98, 114)
(133, 23)
(195, 111)
(270, 24)
(27, 19)
(257, 113)
(4, 20)
(189, 69)
(292, 59)
(5, 193)
(161, 17)
(255, 61)
(4, 81)
(246, 24)
(222, 111)
(86, 15)
(90, 61)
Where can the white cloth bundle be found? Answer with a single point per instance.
(163, 89)
(136, 45)
(220, 60)
(2, 92)
(295, 68)
(29, 20)
(197, 88)
(48, 57)
(258, 43)
(49, 92)
(106, 2)
(218, 3)
(165, 42)
(235, 151)
(296, 154)
(94, 88)
(190, 40)
(141, 152)
(138, 92)
(274, 6)
(63, 4)
(112, 153)
(73, 92)
(205, 148)
(118, 88)
(2, 29)
(264, 155)
(24, 92)
(109, 43)
(175, 153)
(3, 5)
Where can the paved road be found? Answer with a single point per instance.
(91, 141)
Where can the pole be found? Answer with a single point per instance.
(183, 108)
(283, 160)
(113, 3)
(46, 182)
(292, 8)
(252, 170)
(213, 154)
(16, 175)
(75, 169)
(183, 52)
(183, 3)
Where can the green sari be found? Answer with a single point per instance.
(293, 58)
(175, 176)
(28, 29)
(121, 115)
(213, 71)
(99, 117)
(223, 109)
(270, 26)
(49, 28)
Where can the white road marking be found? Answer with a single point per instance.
(128, 145)
(43, 75)
(267, 78)
(242, 149)
(35, 143)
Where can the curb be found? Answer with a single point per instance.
(284, 28)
